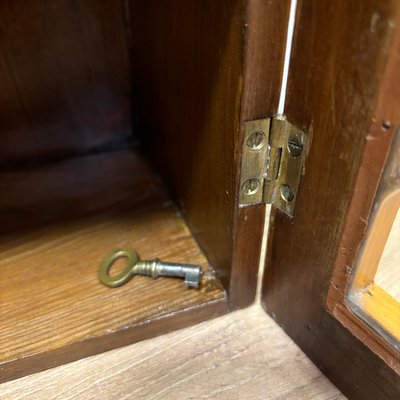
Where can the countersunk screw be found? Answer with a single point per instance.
(295, 147)
(250, 187)
(256, 140)
(287, 193)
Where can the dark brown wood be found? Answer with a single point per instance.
(53, 307)
(265, 40)
(71, 189)
(246, 257)
(65, 84)
(265, 47)
(200, 70)
(382, 140)
(188, 70)
(336, 89)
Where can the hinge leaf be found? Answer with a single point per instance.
(271, 170)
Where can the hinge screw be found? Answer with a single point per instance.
(256, 140)
(250, 187)
(295, 147)
(287, 193)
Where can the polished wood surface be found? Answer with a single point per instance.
(65, 84)
(265, 50)
(243, 355)
(53, 307)
(31, 197)
(187, 75)
(263, 64)
(201, 71)
(338, 81)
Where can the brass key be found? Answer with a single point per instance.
(154, 268)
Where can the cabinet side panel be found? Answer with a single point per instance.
(200, 70)
(265, 48)
(187, 77)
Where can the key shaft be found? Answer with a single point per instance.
(155, 268)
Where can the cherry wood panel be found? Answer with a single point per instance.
(265, 47)
(201, 69)
(339, 91)
(65, 85)
(53, 307)
(31, 197)
(188, 70)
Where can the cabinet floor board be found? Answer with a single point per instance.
(53, 307)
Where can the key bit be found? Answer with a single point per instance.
(155, 268)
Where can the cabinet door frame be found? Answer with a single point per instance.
(343, 87)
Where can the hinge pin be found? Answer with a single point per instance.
(155, 268)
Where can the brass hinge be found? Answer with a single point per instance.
(272, 161)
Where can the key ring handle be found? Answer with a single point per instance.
(124, 276)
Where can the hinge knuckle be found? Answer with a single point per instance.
(272, 161)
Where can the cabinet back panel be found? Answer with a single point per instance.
(64, 78)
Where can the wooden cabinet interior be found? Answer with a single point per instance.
(53, 308)
(94, 97)
(65, 86)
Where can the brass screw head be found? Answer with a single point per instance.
(295, 147)
(287, 193)
(250, 187)
(256, 140)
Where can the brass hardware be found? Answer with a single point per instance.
(253, 161)
(154, 268)
(273, 157)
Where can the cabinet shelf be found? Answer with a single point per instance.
(52, 304)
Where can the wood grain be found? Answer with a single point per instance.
(336, 92)
(263, 64)
(243, 355)
(65, 84)
(54, 309)
(203, 69)
(70, 189)
(187, 75)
